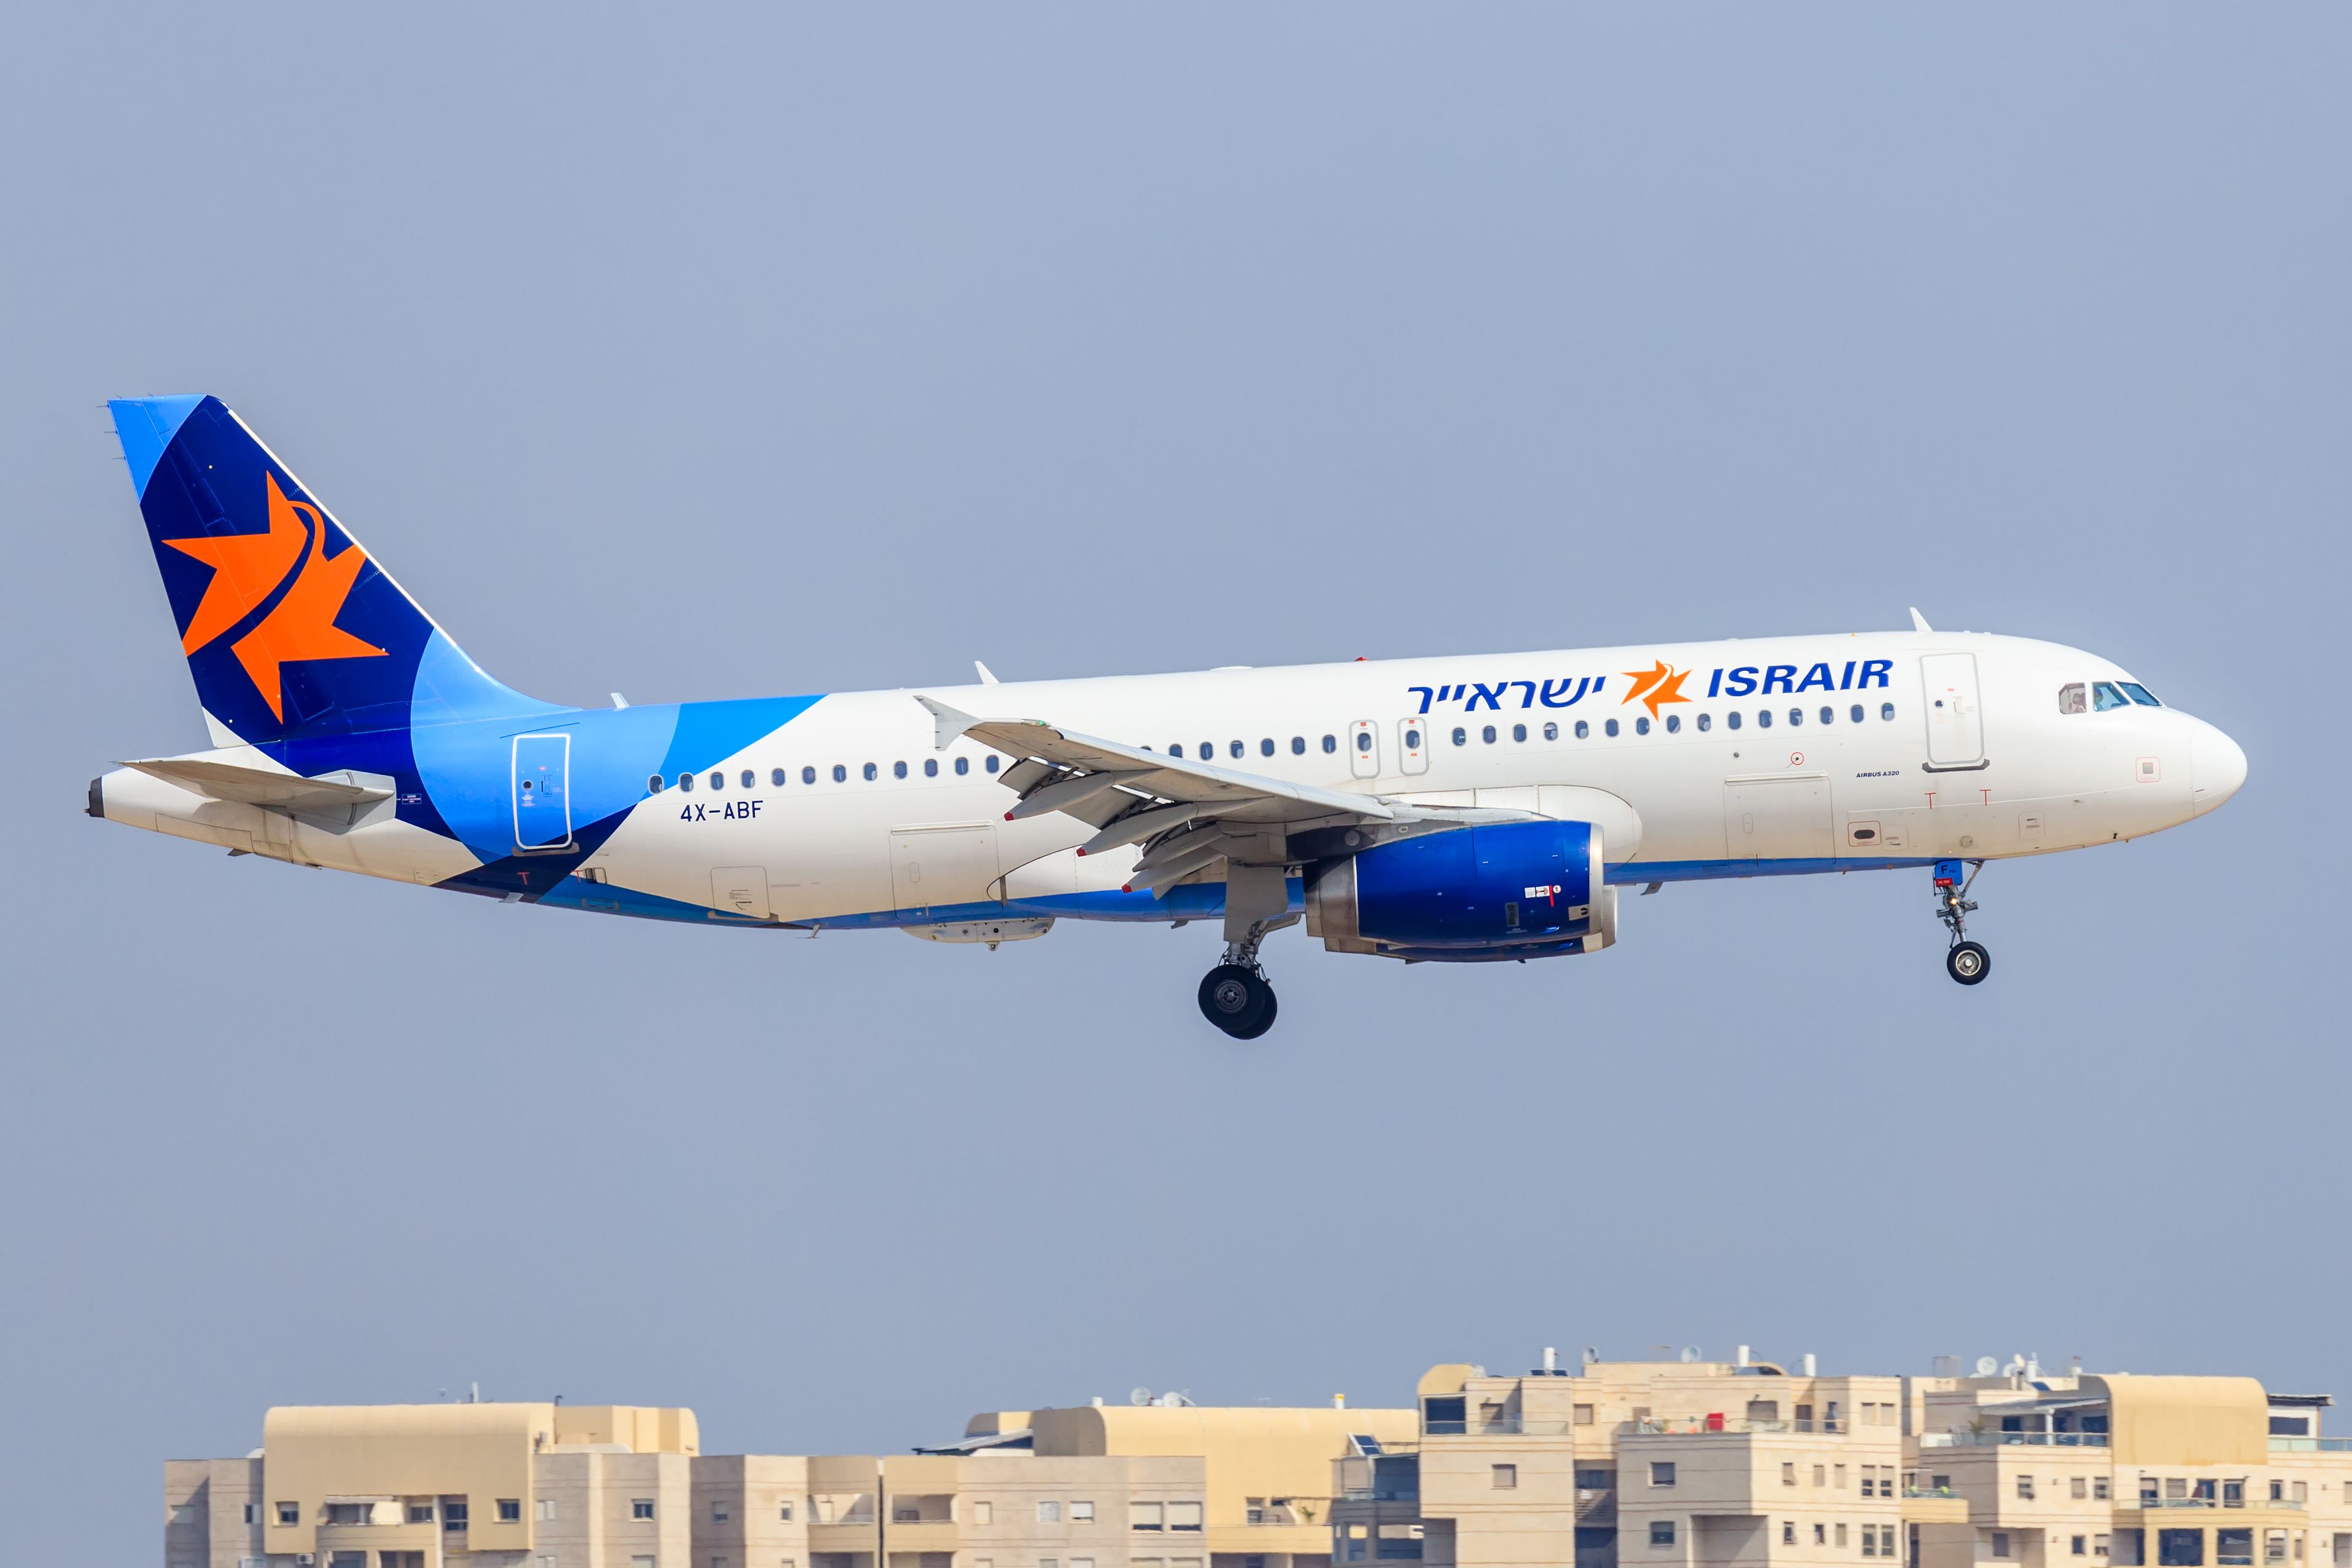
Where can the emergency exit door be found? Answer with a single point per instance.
(543, 791)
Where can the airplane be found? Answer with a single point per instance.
(1457, 808)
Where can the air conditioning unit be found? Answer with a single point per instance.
(305, 1559)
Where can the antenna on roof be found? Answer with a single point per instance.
(1138, 1395)
(1919, 622)
(1986, 1366)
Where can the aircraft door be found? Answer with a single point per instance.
(1955, 712)
(741, 890)
(543, 791)
(1785, 818)
(936, 866)
(1364, 749)
(1412, 745)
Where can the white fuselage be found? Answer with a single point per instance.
(1890, 756)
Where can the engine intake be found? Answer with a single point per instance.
(1507, 890)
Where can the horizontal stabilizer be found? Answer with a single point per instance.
(261, 786)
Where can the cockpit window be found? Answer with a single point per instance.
(2105, 696)
(2071, 698)
(2139, 694)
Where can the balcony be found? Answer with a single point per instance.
(2311, 1445)
(2013, 1439)
(2171, 1503)
(1708, 1426)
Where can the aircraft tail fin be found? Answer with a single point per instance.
(291, 630)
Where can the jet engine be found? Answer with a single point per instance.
(1471, 894)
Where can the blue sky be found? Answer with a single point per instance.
(721, 352)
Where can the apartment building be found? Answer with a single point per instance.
(1684, 1464)
(546, 1486)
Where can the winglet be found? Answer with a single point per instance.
(1919, 622)
(987, 676)
(949, 722)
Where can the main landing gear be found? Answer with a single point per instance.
(1967, 962)
(1234, 995)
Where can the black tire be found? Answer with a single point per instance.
(1264, 1018)
(1968, 963)
(1232, 998)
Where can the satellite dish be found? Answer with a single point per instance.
(1690, 1353)
(1986, 1366)
(1139, 1396)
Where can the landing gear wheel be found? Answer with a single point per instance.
(1967, 962)
(1238, 1000)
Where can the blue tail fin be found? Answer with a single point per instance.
(292, 631)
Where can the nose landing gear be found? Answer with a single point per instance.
(1234, 995)
(1966, 962)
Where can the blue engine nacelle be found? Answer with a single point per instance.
(1503, 890)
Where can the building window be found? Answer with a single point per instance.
(1184, 1516)
(1581, 1416)
(1839, 1471)
(453, 1515)
(1821, 1535)
(252, 1514)
(1788, 1472)
(1840, 1534)
(1788, 1533)
(1505, 1476)
(1870, 1541)
(1661, 1472)
(2181, 1548)
(2079, 1546)
(420, 1514)
(1662, 1533)
(1145, 1515)
(1821, 1475)
(641, 1508)
(1082, 1513)
(509, 1509)
(289, 1513)
(785, 1513)
(1595, 1480)
(2078, 1485)
(2098, 1546)
(546, 1508)
(1049, 1513)
(718, 1511)
(2025, 1488)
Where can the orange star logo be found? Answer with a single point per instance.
(246, 568)
(1655, 687)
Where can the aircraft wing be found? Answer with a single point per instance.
(1188, 815)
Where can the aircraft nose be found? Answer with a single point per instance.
(2217, 767)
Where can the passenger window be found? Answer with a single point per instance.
(1641, 726)
(1856, 714)
(990, 763)
(1584, 730)
(1208, 750)
(1828, 715)
(1364, 740)
(1764, 719)
(931, 767)
(1551, 732)
(2071, 698)
(1330, 744)
(1673, 723)
(840, 774)
(1705, 723)
(750, 780)
(1266, 747)
(898, 770)
(2104, 695)
(1518, 732)
(1610, 730)
(1238, 749)
(2139, 694)
(1488, 734)
(717, 780)
(1796, 716)
(1887, 711)
(870, 770)
(1412, 738)
(685, 780)
(1461, 736)
(963, 766)
(1298, 746)
(808, 775)
(654, 784)
(1732, 718)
